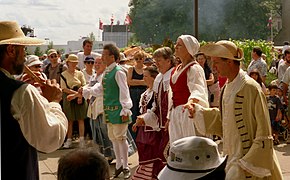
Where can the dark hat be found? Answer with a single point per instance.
(148, 60)
(89, 58)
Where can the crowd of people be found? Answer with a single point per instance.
(169, 106)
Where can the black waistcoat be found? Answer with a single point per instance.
(18, 158)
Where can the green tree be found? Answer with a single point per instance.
(92, 37)
(37, 51)
(156, 20)
(49, 46)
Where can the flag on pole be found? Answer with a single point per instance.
(112, 20)
(100, 24)
(128, 20)
(269, 22)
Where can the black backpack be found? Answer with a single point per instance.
(46, 72)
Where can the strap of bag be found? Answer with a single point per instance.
(64, 79)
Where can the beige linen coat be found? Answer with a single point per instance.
(251, 114)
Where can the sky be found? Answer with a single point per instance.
(64, 20)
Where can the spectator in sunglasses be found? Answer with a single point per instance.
(54, 68)
(137, 86)
(89, 68)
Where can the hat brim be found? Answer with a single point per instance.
(168, 174)
(35, 63)
(217, 50)
(73, 61)
(26, 41)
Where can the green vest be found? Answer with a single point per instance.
(112, 105)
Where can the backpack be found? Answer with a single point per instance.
(46, 70)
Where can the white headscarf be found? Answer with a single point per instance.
(191, 44)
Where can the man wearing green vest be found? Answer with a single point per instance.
(117, 105)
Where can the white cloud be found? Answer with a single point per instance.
(61, 21)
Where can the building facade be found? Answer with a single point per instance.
(120, 34)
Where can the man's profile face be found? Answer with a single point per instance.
(287, 58)
(221, 65)
(107, 57)
(180, 49)
(18, 62)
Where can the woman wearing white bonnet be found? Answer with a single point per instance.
(188, 84)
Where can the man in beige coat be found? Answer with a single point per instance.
(242, 120)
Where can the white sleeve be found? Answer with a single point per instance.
(96, 90)
(125, 99)
(197, 85)
(286, 77)
(42, 123)
(151, 120)
(86, 92)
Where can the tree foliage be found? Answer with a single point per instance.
(38, 52)
(156, 20)
(92, 37)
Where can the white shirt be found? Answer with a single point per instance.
(124, 97)
(232, 143)
(82, 57)
(43, 124)
(96, 107)
(87, 76)
(282, 67)
(286, 77)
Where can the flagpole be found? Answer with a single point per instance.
(271, 26)
(196, 18)
(126, 34)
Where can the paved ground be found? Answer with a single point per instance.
(48, 162)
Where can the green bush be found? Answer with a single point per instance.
(248, 45)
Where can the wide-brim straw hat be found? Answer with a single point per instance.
(72, 58)
(223, 49)
(192, 157)
(11, 33)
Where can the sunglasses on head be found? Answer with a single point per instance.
(90, 62)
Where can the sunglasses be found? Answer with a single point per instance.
(53, 56)
(89, 62)
(37, 66)
(138, 59)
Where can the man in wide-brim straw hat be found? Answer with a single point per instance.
(29, 122)
(242, 120)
